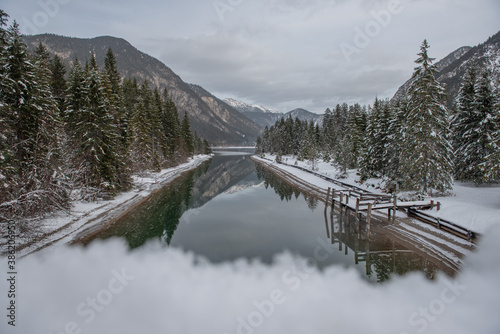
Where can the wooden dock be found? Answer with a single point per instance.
(360, 200)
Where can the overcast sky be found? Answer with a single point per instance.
(282, 54)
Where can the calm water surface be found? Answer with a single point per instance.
(230, 208)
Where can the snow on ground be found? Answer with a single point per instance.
(63, 226)
(474, 208)
(105, 288)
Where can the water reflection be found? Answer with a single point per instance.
(348, 233)
(230, 208)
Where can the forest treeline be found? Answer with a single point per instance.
(415, 142)
(78, 133)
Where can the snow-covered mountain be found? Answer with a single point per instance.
(261, 115)
(452, 67)
(245, 107)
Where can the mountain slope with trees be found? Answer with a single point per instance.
(134, 63)
(452, 68)
(80, 137)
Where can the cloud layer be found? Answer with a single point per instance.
(282, 53)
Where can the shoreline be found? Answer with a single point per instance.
(473, 208)
(66, 227)
(445, 250)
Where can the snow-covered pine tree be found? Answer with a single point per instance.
(288, 136)
(340, 116)
(464, 125)
(92, 135)
(171, 124)
(187, 135)
(30, 125)
(297, 136)
(52, 187)
(375, 157)
(355, 137)
(395, 143)
(99, 135)
(491, 166)
(119, 117)
(142, 151)
(58, 82)
(427, 155)
(485, 102)
(328, 134)
(7, 168)
(159, 131)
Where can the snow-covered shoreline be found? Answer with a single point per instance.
(474, 208)
(64, 227)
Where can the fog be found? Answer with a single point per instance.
(106, 288)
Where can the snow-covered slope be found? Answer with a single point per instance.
(261, 115)
(245, 107)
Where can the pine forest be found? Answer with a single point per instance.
(416, 142)
(78, 133)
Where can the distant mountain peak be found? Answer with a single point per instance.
(245, 107)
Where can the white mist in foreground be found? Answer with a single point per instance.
(108, 289)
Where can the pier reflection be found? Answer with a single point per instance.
(382, 257)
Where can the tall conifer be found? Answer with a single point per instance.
(427, 155)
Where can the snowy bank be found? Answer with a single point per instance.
(474, 208)
(62, 227)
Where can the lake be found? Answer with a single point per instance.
(230, 208)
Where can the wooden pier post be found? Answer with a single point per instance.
(327, 198)
(333, 199)
(395, 205)
(369, 216)
(327, 229)
(357, 206)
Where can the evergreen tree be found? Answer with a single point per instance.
(92, 132)
(171, 124)
(98, 132)
(491, 166)
(187, 136)
(144, 148)
(206, 147)
(7, 135)
(427, 156)
(354, 141)
(464, 124)
(396, 136)
(111, 71)
(485, 102)
(29, 126)
(375, 156)
(58, 82)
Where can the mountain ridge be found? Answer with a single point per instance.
(451, 68)
(132, 62)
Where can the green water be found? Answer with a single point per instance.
(230, 208)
